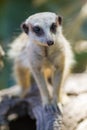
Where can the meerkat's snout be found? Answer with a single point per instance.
(50, 42)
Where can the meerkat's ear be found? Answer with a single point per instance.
(25, 28)
(60, 20)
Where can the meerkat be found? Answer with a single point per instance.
(42, 51)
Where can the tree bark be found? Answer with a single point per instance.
(28, 113)
(14, 109)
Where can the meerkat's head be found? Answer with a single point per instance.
(43, 28)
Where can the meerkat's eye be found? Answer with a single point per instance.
(53, 27)
(38, 30)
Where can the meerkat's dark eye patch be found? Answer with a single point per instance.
(53, 27)
(25, 28)
(38, 30)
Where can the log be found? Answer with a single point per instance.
(14, 109)
(28, 113)
(75, 110)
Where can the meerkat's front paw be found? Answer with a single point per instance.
(53, 108)
(53, 117)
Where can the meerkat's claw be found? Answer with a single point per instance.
(52, 108)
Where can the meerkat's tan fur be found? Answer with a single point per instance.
(42, 51)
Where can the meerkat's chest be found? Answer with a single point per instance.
(45, 56)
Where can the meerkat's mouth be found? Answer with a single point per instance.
(41, 44)
(47, 44)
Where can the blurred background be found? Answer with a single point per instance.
(14, 12)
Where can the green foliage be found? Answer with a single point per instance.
(81, 62)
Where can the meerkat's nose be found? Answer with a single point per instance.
(50, 42)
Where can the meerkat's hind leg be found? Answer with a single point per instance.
(48, 79)
(23, 78)
(48, 75)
